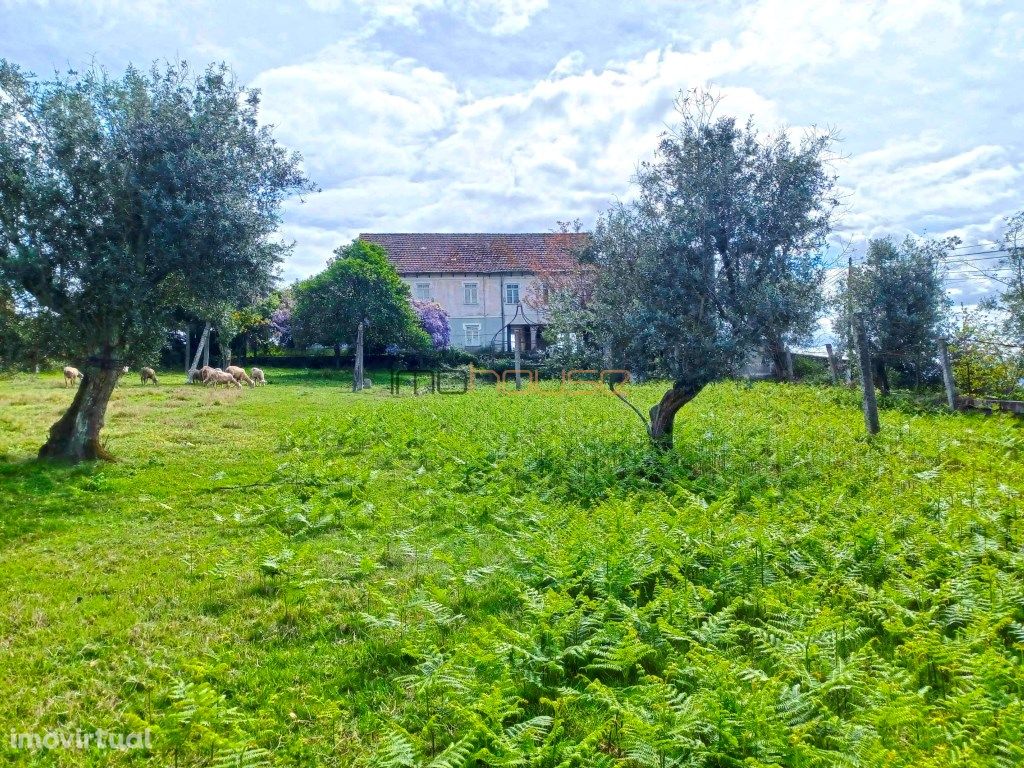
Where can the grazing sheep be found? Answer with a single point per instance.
(71, 376)
(259, 377)
(222, 377)
(201, 375)
(239, 374)
(148, 374)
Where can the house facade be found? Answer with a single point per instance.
(489, 284)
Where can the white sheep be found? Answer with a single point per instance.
(148, 374)
(71, 376)
(201, 375)
(239, 374)
(222, 377)
(259, 377)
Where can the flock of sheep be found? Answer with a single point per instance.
(232, 376)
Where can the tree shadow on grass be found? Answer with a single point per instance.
(37, 495)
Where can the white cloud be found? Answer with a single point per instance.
(497, 17)
(925, 180)
(398, 146)
(401, 146)
(141, 10)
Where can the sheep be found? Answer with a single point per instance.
(71, 376)
(240, 374)
(259, 377)
(201, 375)
(222, 377)
(148, 374)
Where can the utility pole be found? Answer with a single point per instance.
(870, 404)
(947, 374)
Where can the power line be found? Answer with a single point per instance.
(981, 253)
(972, 245)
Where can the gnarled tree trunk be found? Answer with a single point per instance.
(883, 374)
(76, 435)
(781, 360)
(663, 415)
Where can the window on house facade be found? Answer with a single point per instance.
(511, 293)
(471, 292)
(472, 331)
(422, 291)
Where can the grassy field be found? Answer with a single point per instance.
(300, 576)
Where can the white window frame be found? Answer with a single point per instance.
(509, 291)
(475, 329)
(475, 286)
(416, 291)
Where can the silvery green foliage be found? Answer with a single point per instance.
(718, 255)
(124, 199)
(1011, 300)
(899, 288)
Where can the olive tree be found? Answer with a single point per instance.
(901, 292)
(718, 256)
(124, 199)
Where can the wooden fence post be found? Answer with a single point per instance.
(870, 405)
(947, 374)
(833, 366)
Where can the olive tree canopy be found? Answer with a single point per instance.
(901, 292)
(124, 199)
(718, 257)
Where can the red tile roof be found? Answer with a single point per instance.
(426, 252)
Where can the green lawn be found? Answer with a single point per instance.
(342, 579)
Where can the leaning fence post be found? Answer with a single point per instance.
(947, 374)
(870, 405)
(833, 367)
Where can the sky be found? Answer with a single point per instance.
(514, 115)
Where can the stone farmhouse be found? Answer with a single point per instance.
(488, 283)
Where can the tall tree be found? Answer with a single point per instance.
(125, 198)
(359, 294)
(718, 256)
(1010, 273)
(899, 288)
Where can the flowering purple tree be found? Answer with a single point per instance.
(281, 322)
(434, 321)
